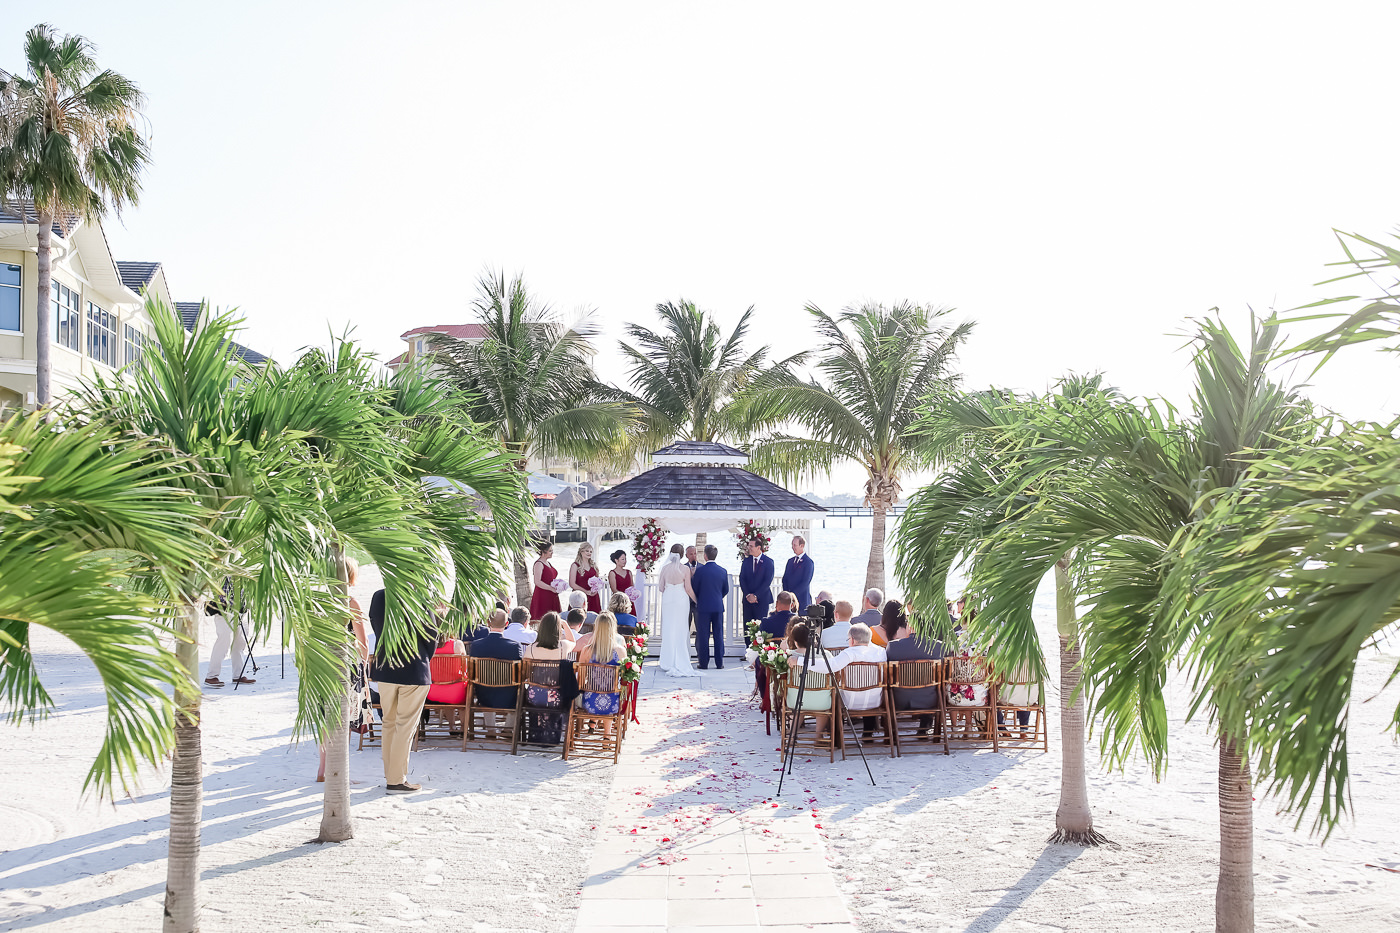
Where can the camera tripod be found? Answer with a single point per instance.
(248, 651)
(814, 639)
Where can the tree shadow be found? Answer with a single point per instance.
(1051, 861)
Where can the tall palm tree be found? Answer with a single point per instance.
(69, 148)
(252, 443)
(983, 490)
(82, 508)
(531, 382)
(879, 364)
(689, 378)
(1148, 481)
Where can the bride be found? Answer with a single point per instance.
(676, 595)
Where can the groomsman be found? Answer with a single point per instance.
(797, 575)
(756, 583)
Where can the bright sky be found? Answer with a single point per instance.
(1077, 178)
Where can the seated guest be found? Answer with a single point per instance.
(814, 700)
(605, 648)
(495, 644)
(837, 635)
(870, 608)
(906, 646)
(580, 602)
(544, 729)
(860, 649)
(618, 605)
(518, 629)
(582, 633)
(776, 625)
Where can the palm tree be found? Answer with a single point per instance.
(1146, 484)
(531, 382)
(879, 363)
(423, 432)
(252, 441)
(82, 508)
(689, 378)
(983, 490)
(68, 148)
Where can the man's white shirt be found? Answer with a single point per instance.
(864, 699)
(837, 636)
(517, 632)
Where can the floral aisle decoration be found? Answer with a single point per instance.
(636, 653)
(648, 545)
(750, 530)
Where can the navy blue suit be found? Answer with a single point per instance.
(710, 582)
(797, 579)
(776, 624)
(496, 645)
(756, 578)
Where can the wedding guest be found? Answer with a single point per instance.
(620, 578)
(797, 575)
(403, 689)
(836, 636)
(518, 630)
(549, 646)
(228, 612)
(495, 644)
(550, 643)
(906, 646)
(544, 597)
(870, 607)
(859, 649)
(825, 596)
(619, 605)
(776, 625)
(816, 701)
(578, 601)
(582, 572)
(606, 648)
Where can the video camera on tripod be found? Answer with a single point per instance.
(819, 612)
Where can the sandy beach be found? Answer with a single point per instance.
(517, 844)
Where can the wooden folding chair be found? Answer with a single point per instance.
(443, 719)
(819, 692)
(595, 735)
(917, 730)
(964, 723)
(482, 727)
(538, 722)
(375, 736)
(1018, 697)
(858, 681)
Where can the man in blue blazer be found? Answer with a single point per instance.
(756, 584)
(495, 644)
(797, 575)
(710, 583)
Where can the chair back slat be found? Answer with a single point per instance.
(966, 670)
(448, 668)
(494, 672)
(599, 678)
(541, 673)
(860, 676)
(913, 674)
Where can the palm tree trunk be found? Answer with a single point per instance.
(701, 540)
(43, 362)
(875, 568)
(1074, 820)
(1234, 889)
(336, 822)
(523, 584)
(186, 785)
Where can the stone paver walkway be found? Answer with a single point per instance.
(693, 838)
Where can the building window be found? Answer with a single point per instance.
(9, 296)
(135, 344)
(67, 316)
(102, 342)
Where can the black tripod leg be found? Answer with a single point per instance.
(846, 715)
(796, 719)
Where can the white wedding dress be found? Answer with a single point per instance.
(675, 623)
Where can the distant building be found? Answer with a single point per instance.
(99, 321)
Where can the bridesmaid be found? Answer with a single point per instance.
(620, 580)
(543, 598)
(583, 570)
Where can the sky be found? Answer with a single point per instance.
(1078, 179)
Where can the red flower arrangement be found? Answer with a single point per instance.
(751, 530)
(649, 544)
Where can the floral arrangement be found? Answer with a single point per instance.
(769, 650)
(596, 585)
(636, 653)
(633, 594)
(649, 544)
(561, 586)
(751, 530)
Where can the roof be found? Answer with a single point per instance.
(18, 211)
(700, 448)
(461, 331)
(251, 357)
(135, 275)
(396, 360)
(699, 488)
(189, 313)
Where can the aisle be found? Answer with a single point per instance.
(692, 838)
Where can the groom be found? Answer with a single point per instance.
(710, 582)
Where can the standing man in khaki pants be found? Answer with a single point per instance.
(403, 688)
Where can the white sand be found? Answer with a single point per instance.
(501, 843)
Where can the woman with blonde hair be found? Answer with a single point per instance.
(606, 648)
(582, 572)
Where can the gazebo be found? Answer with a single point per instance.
(696, 487)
